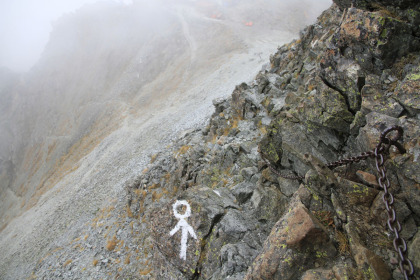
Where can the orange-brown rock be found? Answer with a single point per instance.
(297, 240)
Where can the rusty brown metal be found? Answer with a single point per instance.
(400, 245)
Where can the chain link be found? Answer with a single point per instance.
(400, 245)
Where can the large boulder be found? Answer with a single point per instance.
(297, 242)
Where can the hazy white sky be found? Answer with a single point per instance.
(25, 26)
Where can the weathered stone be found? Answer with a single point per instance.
(248, 172)
(341, 74)
(379, 213)
(243, 191)
(409, 229)
(297, 141)
(207, 207)
(367, 178)
(413, 252)
(407, 92)
(236, 258)
(367, 261)
(364, 4)
(304, 195)
(356, 193)
(271, 145)
(318, 274)
(369, 135)
(220, 105)
(343, 271)
(321, 178)
(375, 100)
(358, 122)
(328, 109)
(287, 186)
(233, 224)
(385, 37)
(269, 175)
(163, 222)
(269, 203)
(262, 83)
(338, 207)
(297, 240)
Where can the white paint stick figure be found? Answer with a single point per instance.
(183, 225)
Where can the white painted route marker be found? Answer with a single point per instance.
(184, 226)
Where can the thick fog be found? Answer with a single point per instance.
(25, 25)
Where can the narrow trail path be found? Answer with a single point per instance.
(187, 34)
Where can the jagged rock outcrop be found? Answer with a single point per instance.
(291, 245)
(326, 96)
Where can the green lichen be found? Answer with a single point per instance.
(412, 13)
(289, 261)
(369, 274)
(413, 77)
(381, 20)
(380, 43)
(320, 254)
(384, 33)
(360, 189)
(270, 149)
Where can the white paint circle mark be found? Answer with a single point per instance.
(187, 211)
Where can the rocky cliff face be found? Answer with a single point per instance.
(211, 207)
(327, 96)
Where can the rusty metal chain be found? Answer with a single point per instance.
(349, 160)
(400, 245)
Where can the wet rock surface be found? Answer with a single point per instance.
(326, 96)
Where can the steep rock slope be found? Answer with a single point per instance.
(327, 96)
